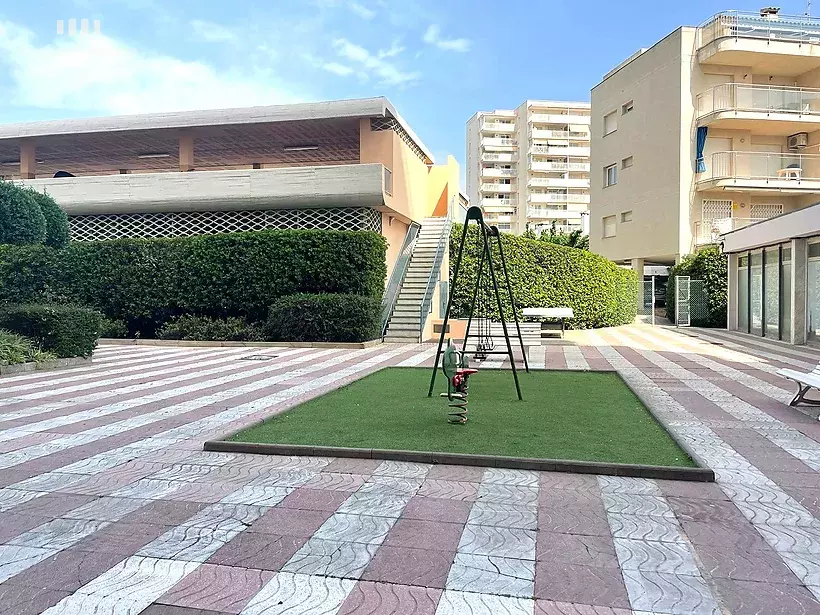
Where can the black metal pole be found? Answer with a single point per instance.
(447, 311)
(501, 311)
(512, 300)
(475, 296)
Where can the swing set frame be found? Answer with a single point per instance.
(486, 234)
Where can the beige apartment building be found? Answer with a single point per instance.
(530, 166)
(710, 130)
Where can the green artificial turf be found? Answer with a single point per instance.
(587, 416)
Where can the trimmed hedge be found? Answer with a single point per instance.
(544, 274)
(199, 328)
(712, 266)
(56, 221)
(146, 282)
(21, 219)
(65, 330)
(324, 318)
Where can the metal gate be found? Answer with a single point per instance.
(646, 301)
(682, 301)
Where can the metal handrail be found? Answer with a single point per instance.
(435, 273)
(741, 24)
(760, 98)
(391, 292)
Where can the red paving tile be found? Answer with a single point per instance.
(218, 588)
(389, 599)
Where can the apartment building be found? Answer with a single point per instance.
(711, 129)
(530, 166)
(345, 164)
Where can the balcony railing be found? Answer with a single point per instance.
(500, 126)
(786, 169)
(550, 182)
(739, 24)
(497, 141)
(537, 165)
(544, 133)
(492, 172)
(759, 98)
(495, 157)
(709, 231)
(559, 118)
(494, 187)
(550, 197)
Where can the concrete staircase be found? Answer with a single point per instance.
(405, 320)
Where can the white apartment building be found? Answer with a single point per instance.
(711, 129)
(530, 166)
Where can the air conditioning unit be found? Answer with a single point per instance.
(798, 140)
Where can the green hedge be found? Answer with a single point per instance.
(189, 327)
(21, 219)
(147, 282)
(56, 221)
(65, 330)
(711, 266)
(324, 318)
(543, 274)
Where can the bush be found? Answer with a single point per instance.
(56, 221)
(147, 282)
(21, 220)
(710, 265)
(116, 329)
(65, 330)
(16, 349)
(324, 318)
(543, 274)
(188, 327)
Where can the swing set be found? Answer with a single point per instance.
(485, 292)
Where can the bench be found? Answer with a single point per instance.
(560, 314)
(805, 382)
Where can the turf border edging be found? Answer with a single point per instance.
(494, 461)
(112, 341)
(21, 368)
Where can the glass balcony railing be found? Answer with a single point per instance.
(739, 24)
(709, 231)
(784, 168)
(759, 98)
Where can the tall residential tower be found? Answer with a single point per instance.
(530, 165)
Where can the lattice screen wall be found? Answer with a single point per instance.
(118, 226)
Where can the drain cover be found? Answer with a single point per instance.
(258, 357)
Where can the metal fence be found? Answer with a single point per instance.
(691, 302)
(646, 301)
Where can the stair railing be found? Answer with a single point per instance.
(391, 292)
(435, 274)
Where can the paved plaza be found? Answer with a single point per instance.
(109, 505)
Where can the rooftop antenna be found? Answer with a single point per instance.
(808, 8)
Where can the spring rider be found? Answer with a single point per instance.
(456, 368)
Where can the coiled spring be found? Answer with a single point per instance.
(458, 403)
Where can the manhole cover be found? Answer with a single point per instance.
(258, 357)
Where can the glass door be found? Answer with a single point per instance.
(756, 294)
(813, 291)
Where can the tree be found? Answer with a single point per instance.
(56, 220)
(574, 239)
(21, 219)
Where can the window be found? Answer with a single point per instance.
(609, 226)
(626, 108)
(626, 216)
(626, 162)
(610, 175)
(610, 123)
(388, 181)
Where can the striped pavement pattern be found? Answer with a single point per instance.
(109, 505)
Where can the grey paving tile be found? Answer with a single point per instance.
(463, 603)
(492, 575)
(498, 541)
(785, 538)
(666, 557)
(190, 544)
(491, 513)
(507, 494)
(355, 528)
(378, 504)
(402, 469)
(58, 533)
(669, 593)
(257, 495)
(635, 527)
(636, 504)
(299, 594)
(106, 509)
(15, 559)
(502, 476)
(331, 558)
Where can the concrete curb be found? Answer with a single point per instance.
(7, 370)
(493, 461)
(108, 341)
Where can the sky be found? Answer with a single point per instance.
(438, 61)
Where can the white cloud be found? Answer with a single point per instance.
(361, 10)
(394, 50)
(212, 32)
(337, 69)
(374, 65)
(433, 37)
(97, 73)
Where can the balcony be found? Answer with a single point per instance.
(558, 182)
(537, 165)
(550, 197)
(709, 231)
(552, 214)
(495, 187)
(544, 133)
(559, 118)
(341, 185)
(495, 157)
(498, 126)
(498, 205)
(559, 150)
(786, 110)
(493, 172)
(786, 45)
(761, 172)
(500, 142)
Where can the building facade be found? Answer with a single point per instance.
(345, 165)
(712, 129)
(529, 167)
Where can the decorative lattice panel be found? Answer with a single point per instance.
(180, 224)
(389, 123)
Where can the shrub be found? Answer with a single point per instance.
(116, 329)
(711, 266)
(56, 221)
(324, 318)
(543, 274)
(15, 349)
(21, 220)
(188, 327)
(146, 282)
(65, 330)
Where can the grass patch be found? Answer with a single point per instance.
(585, 416)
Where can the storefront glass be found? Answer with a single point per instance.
(786, 295)
(771, 283)
(756, 293)
(743, 293)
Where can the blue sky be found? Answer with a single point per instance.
(438, 61)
